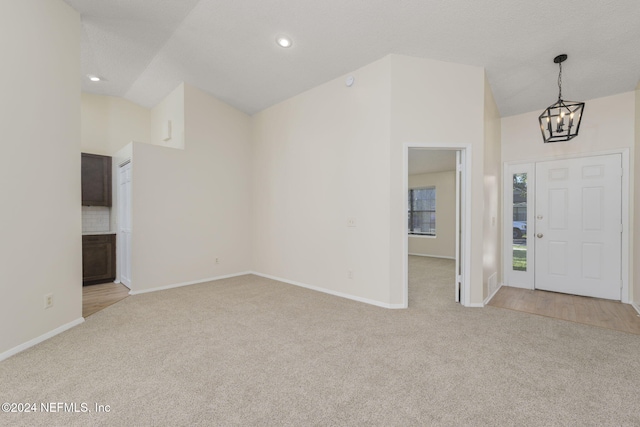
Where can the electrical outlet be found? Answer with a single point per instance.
(349, 274)
(48, 301)
(351, 222)
(217, 260)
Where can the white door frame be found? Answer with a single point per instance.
(464, 220)
(626, 195)
(120, 215)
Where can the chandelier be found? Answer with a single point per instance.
(561, 121)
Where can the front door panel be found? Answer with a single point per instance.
(578, 226)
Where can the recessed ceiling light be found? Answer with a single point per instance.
(93, 78)
(284, 41)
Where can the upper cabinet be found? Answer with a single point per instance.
(96, 180)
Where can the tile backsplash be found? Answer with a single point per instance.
(96, 218)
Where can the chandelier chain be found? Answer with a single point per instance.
(560, 81)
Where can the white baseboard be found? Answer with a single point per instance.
(194, 282)
(490, 297)
(636, 307)
(38, 340)
(330, 292)
(516, 285)
(475, 305)
(434, 256)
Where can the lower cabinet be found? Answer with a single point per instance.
(98, 259)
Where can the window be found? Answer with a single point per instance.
(520, 221)
(422, 211)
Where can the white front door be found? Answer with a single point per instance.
(578, 226)
(124, 224)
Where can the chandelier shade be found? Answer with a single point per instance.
(561, 121)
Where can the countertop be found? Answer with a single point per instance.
(97, 233)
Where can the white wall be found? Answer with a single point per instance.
(109, 123)
(189, 206)
(320, 158)
(334, 153)
(40, 226)
(443, 244)
(192, 206)
(436, 102)
(492, 212)
(170, 109)
(608, 124)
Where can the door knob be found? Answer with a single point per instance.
(539, 235)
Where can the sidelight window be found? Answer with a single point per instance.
(520, 221)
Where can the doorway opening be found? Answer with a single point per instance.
(98, 297)
(435, 212)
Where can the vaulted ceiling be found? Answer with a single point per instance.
(145, 48)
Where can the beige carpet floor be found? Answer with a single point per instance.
(255, 352)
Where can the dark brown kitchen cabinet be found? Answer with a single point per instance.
(98, 258)
(96, 180)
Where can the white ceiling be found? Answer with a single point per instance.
(145, 48)
(423, 160)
